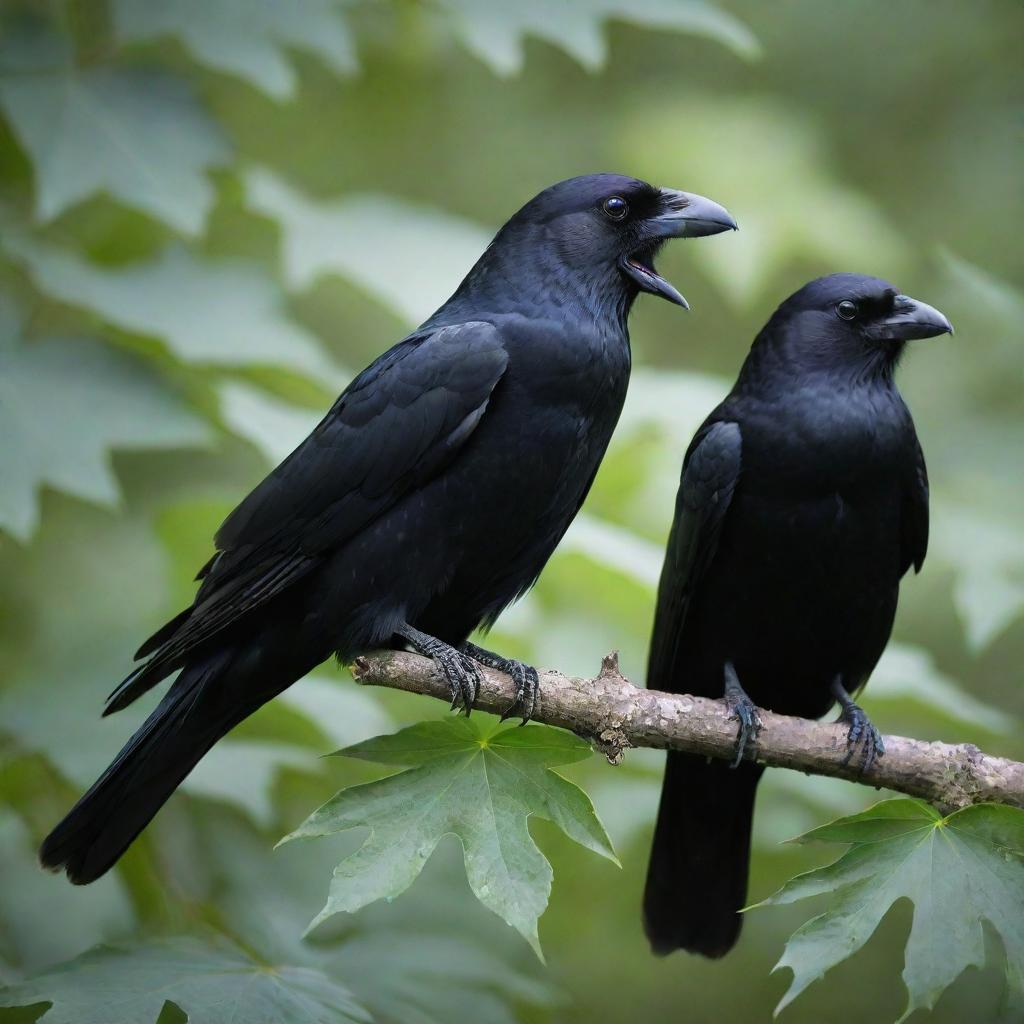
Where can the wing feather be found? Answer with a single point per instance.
(914, 520)
(397, 425)
(711, 471)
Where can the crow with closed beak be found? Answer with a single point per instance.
(803, 502)
(429, 497)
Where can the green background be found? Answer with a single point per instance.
(204, 230)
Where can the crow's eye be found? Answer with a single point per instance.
(847, 309)
(615, 207)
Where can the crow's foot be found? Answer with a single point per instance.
(742, 708)
(524, 676)
(460, 671)
(862, 738)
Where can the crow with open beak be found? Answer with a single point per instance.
(429, 497)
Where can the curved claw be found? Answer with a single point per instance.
(462, 675)
(862, 735)
(743, 708)
(527, 690)
(525, 677)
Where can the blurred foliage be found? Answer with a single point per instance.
(212, 213)
(208, 981)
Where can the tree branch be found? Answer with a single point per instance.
(614, 715)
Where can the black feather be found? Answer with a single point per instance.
(803, 501)
(430, 496)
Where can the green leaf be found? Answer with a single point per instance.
(211, 982)
(495, 31)
(63, 405)
(467, 781)
(410, 257)
(244, 38)
(217, 314)
(958, 871)
(138, 136)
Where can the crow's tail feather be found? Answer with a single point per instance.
(194, 714)
(697, 878)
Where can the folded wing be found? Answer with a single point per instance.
(397, 425)
(710, 473)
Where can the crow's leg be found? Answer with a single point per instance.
(523, 675)
(742, 708)
(861, 733)
(459, 670)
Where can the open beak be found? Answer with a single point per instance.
(683, 215)
(912, 319)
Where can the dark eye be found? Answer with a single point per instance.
(847, 309)
(616, 207)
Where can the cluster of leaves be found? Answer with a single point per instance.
(178, 302)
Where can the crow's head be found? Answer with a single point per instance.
(850, 321)
(594, 239)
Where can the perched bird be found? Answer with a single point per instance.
(803, 501)
(429, 497)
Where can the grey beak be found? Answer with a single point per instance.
(683, 215)
(912, 319)
(688, 215)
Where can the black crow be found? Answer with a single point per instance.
(429, 497)
(803, 501)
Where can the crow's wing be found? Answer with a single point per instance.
(914, 517)
(397, 425)
(711, 470)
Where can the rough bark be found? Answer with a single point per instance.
(615, 715)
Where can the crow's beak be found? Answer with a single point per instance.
(688, 215)
(683, 215)
(912, 319)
